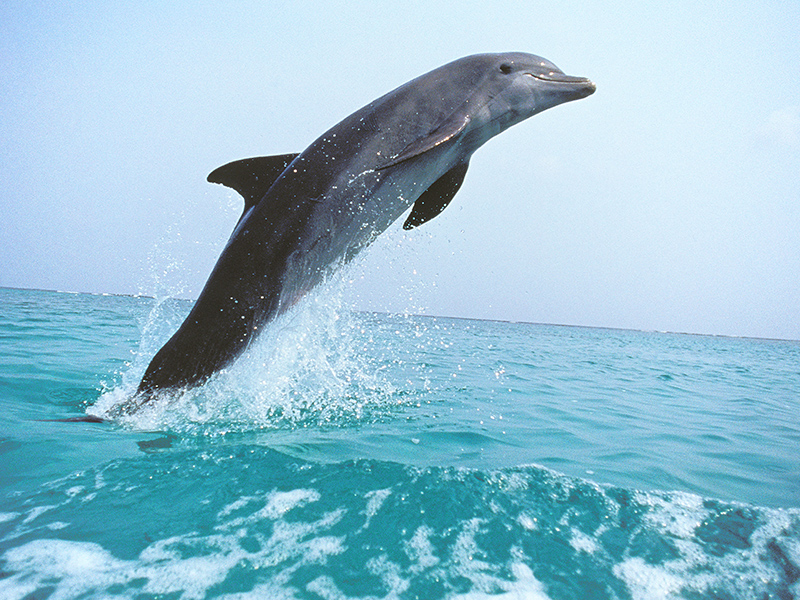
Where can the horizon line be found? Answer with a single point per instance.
(429, 316)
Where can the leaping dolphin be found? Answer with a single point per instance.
(306, 213)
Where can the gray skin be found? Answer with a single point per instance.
(305, 214)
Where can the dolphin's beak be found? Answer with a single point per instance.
(587, 87)
(580, 85)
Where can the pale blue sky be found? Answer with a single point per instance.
(669, 200)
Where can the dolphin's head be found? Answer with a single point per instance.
(516, 86)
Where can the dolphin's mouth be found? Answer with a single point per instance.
(585, 85)
(558, 77)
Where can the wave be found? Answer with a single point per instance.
(286, 528)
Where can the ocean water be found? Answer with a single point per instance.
(354, 455)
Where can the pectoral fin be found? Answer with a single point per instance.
(448, 130)
(251, 177)
(436, 198)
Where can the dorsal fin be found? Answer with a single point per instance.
(251, 177)
(436, 198)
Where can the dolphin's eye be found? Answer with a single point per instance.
(505, 68)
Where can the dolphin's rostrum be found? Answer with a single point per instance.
(307, 212)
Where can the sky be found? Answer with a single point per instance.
(668, 201)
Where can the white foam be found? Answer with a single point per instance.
(528, 522)
(741, 572)
(188, 565)
(680, 513)
(648, 582)
(29, 522)
(465, 553)
(420, 550)
(325, 588)
(271, 590)
(78, 567)
(582, 542)
(279, 503)
(236, 505)
(375, 500)
(35, 512)
(524, 587)
(390, 574)
(463, 562)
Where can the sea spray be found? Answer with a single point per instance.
(314, 365)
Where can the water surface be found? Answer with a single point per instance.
(354, 455)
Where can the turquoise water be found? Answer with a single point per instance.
(354, 455)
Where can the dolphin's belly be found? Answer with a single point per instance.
(344, 222)
(351, 214)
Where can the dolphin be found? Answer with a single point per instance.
(307, 213)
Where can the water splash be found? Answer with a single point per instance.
(311, 367)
